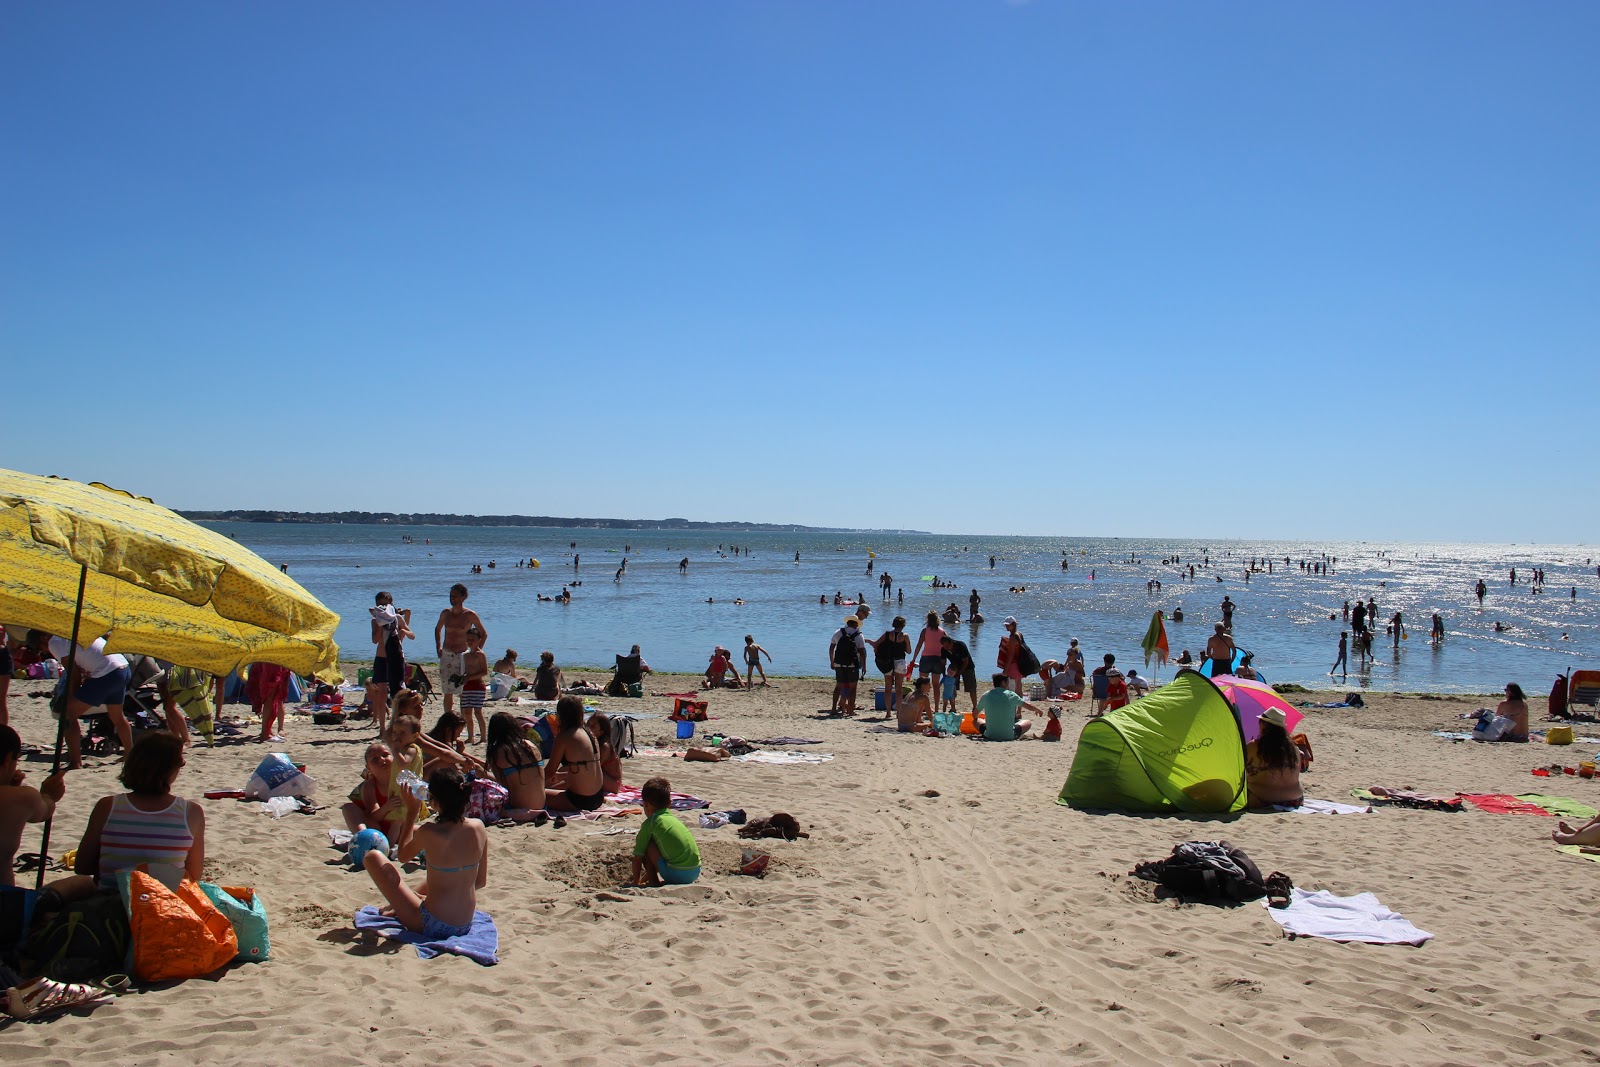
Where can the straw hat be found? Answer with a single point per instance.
(1276, 717)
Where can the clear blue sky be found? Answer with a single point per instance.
(966, 267)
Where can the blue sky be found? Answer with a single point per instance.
(984, 267)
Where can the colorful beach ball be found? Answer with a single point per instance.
(367, 840)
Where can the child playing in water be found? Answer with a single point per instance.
(474, 685)
(371, 803)
(664, 852)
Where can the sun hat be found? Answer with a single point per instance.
(851, 620)
(1276, 717)
(1011, 620)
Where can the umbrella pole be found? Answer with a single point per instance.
(61, 722)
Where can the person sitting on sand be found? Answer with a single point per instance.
(146, 825)
(716, 676)
(630, 670)
(507, 664)
(1246, 671)
(547, 679)
(664, 852)
(21, 804)
(599, 727)
(1515, 708)
(1272, 764)
(914, 714)
(442, 905)
(515, 764)
(573, 778)
(371, 804)
(447, 732)
(999, 708)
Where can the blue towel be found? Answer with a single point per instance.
(480, 943)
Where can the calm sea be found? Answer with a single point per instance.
(1101, 599)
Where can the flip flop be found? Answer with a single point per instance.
(43, 996)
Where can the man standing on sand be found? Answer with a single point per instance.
(1342, 664)
(959, 670)
(450, 641)
(847, 651)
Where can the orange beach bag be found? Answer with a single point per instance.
(176, 934)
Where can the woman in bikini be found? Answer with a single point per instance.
(575, 757)
(515, 764)
(458, 863)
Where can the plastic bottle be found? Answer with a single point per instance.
(413, 785)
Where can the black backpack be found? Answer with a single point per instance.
(844, 652)
(1215, 872)
(1027, 662)
(83, 942)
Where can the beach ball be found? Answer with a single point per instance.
(368, 840)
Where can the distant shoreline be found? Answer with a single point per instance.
(391, 518)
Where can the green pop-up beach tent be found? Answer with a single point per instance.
(1179, 749)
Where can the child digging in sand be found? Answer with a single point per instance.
(665, 852)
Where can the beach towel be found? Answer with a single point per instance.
(1325, 704)
(1451, 735)
(1502, 804)
(630, 796)
(1407, 798)
(1565, 807)
(1359, 918)
(481, 943)
(1308, 806)
(783, 758)
(1577, 850)
(785, 741)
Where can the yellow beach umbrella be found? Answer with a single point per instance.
(150, 581)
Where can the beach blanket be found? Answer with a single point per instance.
(1325, 704)
(1451, 735)
(784, 741)
(1502, 804)
(630, 796)
(1308, 806)
(481, 943)
(1407, 798)
(782, 758)
(1577, 850)
(1565, 807)
(1360, 918)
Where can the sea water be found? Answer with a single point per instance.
(1101, 598)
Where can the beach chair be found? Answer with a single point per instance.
(1584, 688)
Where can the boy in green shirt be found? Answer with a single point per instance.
(665, 852)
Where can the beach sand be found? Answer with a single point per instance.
(983, 925)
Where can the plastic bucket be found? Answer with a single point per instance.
(685, 729)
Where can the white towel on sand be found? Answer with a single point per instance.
(1359, 918)
(783, 757)
(1308, 806)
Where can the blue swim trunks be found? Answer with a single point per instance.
(676, 875)
(434, 930)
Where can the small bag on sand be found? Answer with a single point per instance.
(277, 776)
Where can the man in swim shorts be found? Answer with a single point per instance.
(450, 642)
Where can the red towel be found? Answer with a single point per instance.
(1502, 804)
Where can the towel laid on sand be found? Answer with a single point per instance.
(630, 796)
(1308, 806)
(1450, 735)
(1575, 850)
(1565, 807)
(783, 757)
(1325, 704)
(1407, 798)
(784, 741)
(1502, 804)
(481, 943)
(1359, 918)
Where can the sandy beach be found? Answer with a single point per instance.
(985, 924)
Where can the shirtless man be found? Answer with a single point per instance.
(450, 641)
(1219, 646)
(21, 804)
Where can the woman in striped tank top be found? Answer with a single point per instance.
(147, 824)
